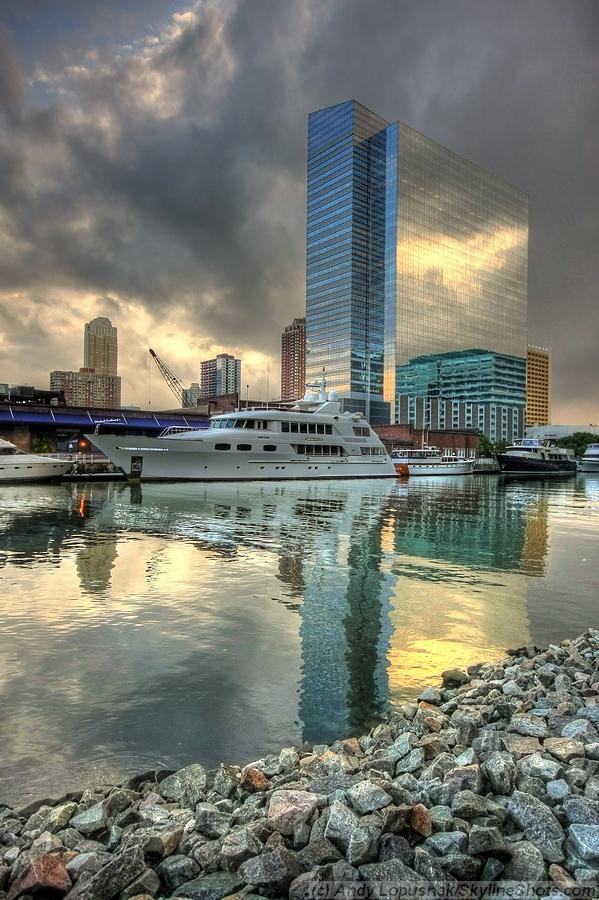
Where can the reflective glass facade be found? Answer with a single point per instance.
(467, 375)
(346, 254)
(411, 250)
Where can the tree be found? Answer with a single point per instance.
(578, 441)
(487, 448)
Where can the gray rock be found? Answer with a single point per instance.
(586, 840)
(341, 824)
(378, 875)
(146, 884)
(90, 821)
(239, 845)
(157, 842)
(85, 864)
(319, 852)
(557, 790)
(307, 886)
(290, 808)
(461, 866)
(274, 868)
(579, 810)
(401, 746)
(394, 846)
(468, 805)
(210, 821)
(580, 730)
(410, 763)
(226, 781)
(447, 842)
(453, 678)
(210, 887)
(537, 766)
(482, 839)
(185, 786)
(366, 797)
(176, 870)
(492, 869)
(207, 855)
(363, 845)
(529, 726)
(112, 878)
(441, 818)
(431, 695)
(51, 818)
(539, 825)
(526, 864)
(464, 778)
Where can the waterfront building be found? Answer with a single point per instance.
(221, 375)
(555, 432)
(411, 250)
(87, 388)
(464, 389)
(26, 394)
(537, 385)
(498, 421)
(293, 360)
(100, 346)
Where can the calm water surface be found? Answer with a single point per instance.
(155, 626)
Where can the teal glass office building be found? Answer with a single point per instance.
(412, 251)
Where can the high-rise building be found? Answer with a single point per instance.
(100, 347)
(293, 360)
(87, 388)
(411, 250)
(192, 394)
(537, 386)
(221, 375)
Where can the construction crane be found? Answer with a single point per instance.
(174, 383)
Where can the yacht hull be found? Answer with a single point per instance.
(443, 468)
(588, 465)
(166, 459)
(21, 469)
(520, 465)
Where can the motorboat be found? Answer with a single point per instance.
(430, 461)
(589, 462)
(310, 439)
(16, 465)
(536, 456)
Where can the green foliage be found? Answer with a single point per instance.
(578, 441)
(43, 444)
(487, 448)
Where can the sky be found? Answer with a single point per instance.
(153, 165)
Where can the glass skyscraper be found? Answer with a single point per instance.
(411, 250)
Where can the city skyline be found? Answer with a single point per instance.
(135, 187)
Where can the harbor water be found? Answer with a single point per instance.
(151, 626)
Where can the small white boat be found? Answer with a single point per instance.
(589, 462)
(312, 439)
(430, 461)
(16, 465)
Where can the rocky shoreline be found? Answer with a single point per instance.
(492, 778)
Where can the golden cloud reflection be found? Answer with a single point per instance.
(441, 618)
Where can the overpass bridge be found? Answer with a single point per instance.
(50, 428)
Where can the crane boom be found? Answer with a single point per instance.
(174, 383)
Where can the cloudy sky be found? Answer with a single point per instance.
(152, 165)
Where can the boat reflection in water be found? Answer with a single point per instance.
(167, 623)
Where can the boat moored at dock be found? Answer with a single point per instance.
(589, 462)
(430, 461)
(17, 466)
(534, 456)
(310, 440)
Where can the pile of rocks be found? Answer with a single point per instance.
(493, 777)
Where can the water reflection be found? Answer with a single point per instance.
(171, 622)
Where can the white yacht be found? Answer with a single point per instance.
(16, 465)
(589, 462)
(312, 439)
(430, 461)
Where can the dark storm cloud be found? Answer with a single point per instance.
(171, 174)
